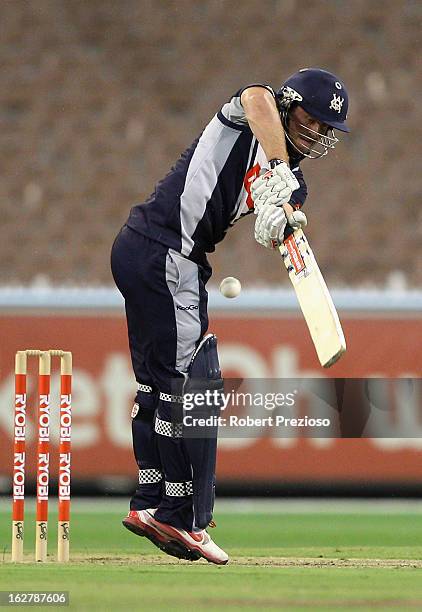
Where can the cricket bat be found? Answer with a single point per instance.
(314, 298)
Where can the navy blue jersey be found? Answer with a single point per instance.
(208, 189)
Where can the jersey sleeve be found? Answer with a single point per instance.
(232, 112)
(298, 197)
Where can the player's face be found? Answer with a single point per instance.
(304, 130)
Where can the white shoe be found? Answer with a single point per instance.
(139, 522)
(198, 543)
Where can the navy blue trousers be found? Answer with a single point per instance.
(166, 312)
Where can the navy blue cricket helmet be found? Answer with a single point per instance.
(323, 96)
(320, 93)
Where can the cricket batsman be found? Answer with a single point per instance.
(246, 161)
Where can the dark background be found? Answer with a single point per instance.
(98, 99)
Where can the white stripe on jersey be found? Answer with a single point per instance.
(214, 146)
(183, 273)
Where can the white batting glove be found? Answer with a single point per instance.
(271, 222)
(270, 225)
(274, 186)
(297, 220)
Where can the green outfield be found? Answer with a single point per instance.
(291, 557)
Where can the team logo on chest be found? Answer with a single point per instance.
(336, 103)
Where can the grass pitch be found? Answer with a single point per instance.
(283, 556)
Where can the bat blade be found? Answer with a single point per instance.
(314, 299)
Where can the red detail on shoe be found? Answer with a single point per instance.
(133, 518)
(196, 536)
(166, 534)
(176, 534)
(168, 529)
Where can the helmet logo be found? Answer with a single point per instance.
(290, 95)
(336, 103)
(338, 85)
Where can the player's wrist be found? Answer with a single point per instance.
(288, 208)
(275, 161)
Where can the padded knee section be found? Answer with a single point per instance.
(150, 483)
(204, 375)
(176, 506)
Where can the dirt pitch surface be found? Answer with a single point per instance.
(250, 561)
